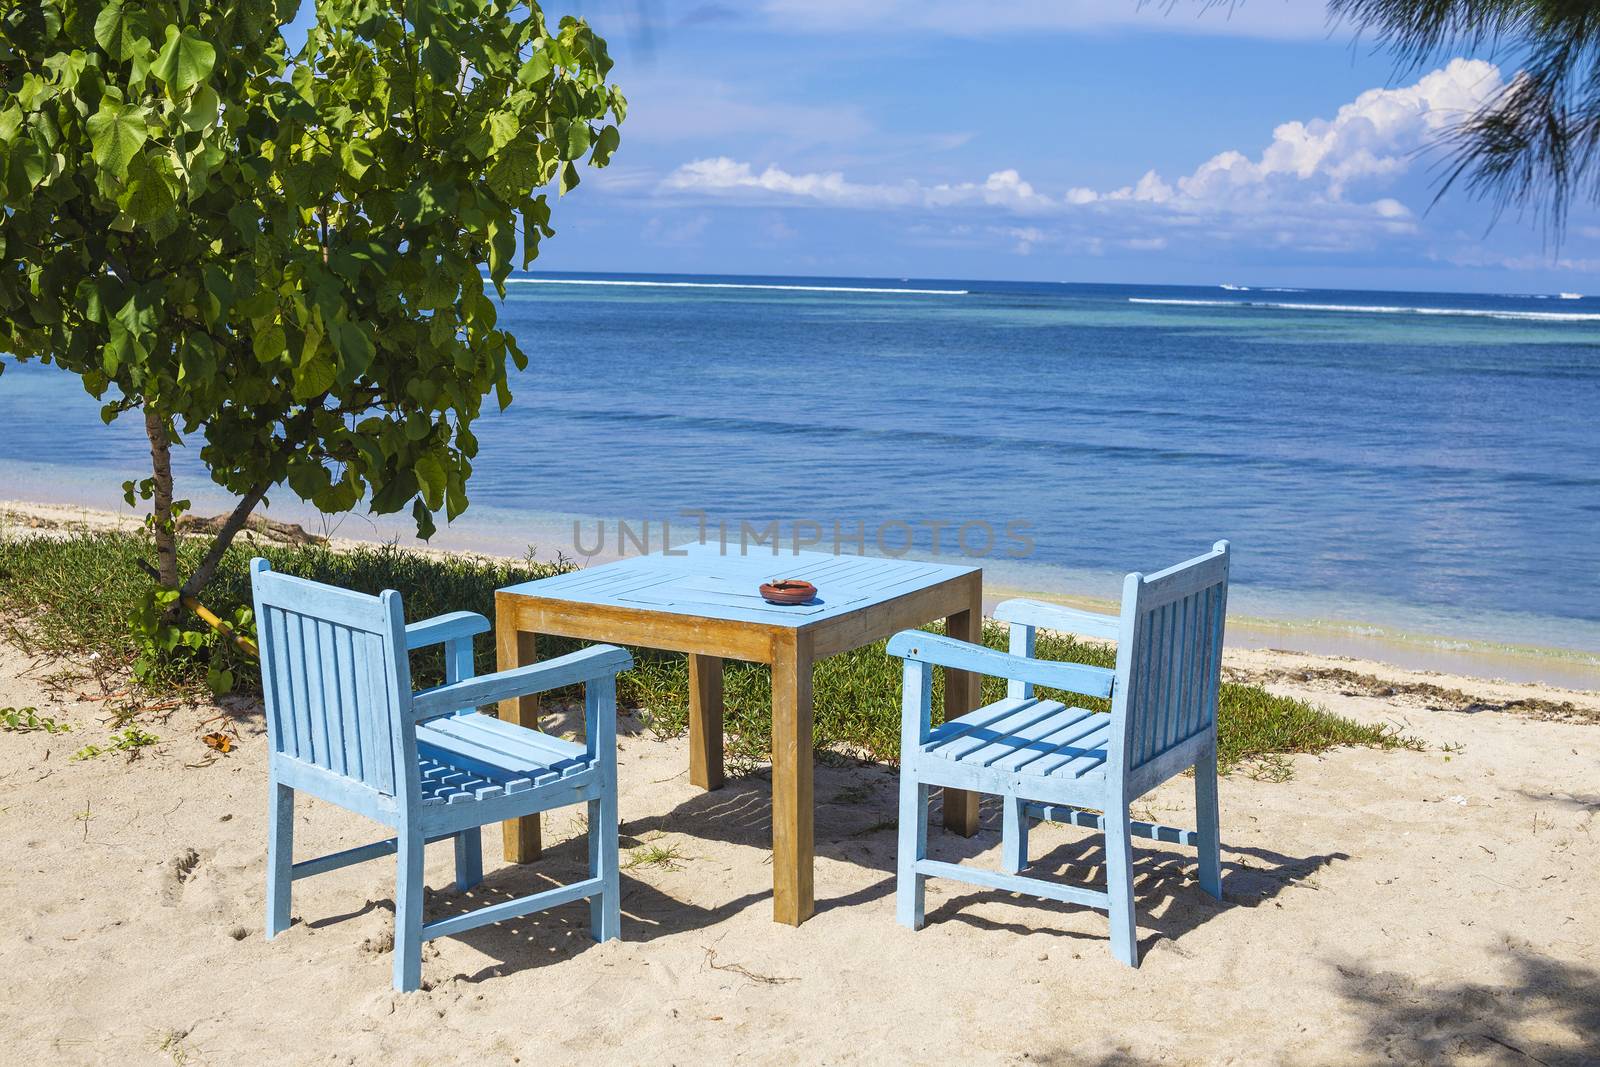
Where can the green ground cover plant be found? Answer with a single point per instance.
(129, 740)
(28, 720)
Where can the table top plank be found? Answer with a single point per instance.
(704, 581)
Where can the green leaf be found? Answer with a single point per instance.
(121, 32)
(535, 70)
(313, 377)
(605, 145)
(430, 476)
(148, 196)
(26, 168)
(355, 347)
(503, 127)
(479, 143)
(202, 110)
(184, 61)
(10, 122)
(269, 344)
(502, 246)
(356, 157)
(425, 527)
(219, 292)
(117, 133)
(439, 60)
(574, 140)
(514, 172)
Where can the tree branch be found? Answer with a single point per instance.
(236, 520)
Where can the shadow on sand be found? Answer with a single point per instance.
(855, 823)
(1545, 1012)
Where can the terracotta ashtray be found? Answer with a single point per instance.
(788, 591)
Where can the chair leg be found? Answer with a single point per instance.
(280, 858)
(1207, 824)
(605, 910)
(1119, 886)
(408, 911)
(469, 858)
(1013, 835)
(911, 887)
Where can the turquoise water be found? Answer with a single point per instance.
(1415, 461)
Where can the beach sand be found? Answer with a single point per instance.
(1436, 906)
(1433, 906)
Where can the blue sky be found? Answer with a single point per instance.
(1070, 140)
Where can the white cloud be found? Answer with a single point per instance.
(1319, 184)
(1374, 136)
(1003, 188)
(722, 176)
(1149, 189)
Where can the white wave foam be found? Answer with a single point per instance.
(1374, 309)
(733, 285)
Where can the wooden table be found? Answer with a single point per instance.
(702, 601)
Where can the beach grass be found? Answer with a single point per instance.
(72, 596)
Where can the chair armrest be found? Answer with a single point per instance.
(924, 647)
(597, 661)
(1059, 617)
(443, 628)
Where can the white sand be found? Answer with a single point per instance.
(1380, 907)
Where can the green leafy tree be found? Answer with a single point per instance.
(1536, 143)
(279, 256)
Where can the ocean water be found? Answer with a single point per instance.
(1425, 463)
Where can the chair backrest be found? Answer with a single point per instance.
(1169, 659)
(336, 679)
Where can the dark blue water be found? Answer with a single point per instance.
(1405, 459)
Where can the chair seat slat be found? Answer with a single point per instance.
(955, 729)
(998, 731)
(1040, 738)
(1071, 731)
(486, 732)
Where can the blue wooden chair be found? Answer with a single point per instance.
(1049, 760)
(344, 725)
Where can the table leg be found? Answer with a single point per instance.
(705, 721)
(514, 648)
(793, 894)
(961, 695)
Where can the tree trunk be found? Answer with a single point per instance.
(163, 528)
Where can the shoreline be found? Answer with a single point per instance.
(1357, 642)
(1370, 642)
